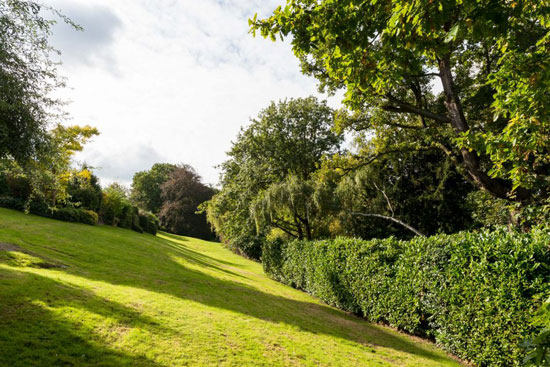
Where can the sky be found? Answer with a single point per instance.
(170, 80)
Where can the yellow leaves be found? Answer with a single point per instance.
(84, 174)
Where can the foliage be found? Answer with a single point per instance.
(10, 202)
(146, 186)
(538, 347)
(50, 173)
(293, 206)
(473, 292)
(422, 189)
(271, 162)
(149, 222)
(75, 215)
(181, 196)
(491, 58)
(28, 77)
(84, 191)
(116, 209)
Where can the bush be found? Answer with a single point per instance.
(538, 347)
(472, 292)
(75, 215)
(149, 222)
(12, 203)
(88, 217)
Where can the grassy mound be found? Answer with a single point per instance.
(76, 295)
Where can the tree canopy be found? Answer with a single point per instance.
(181, 196)
(489, 59)
(146, 186)
(268, 180)
(27, 78)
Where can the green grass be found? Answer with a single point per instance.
(77, 295)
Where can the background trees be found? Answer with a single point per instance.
(146, 186)
(181, 196)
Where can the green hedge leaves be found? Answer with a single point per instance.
(474, 293)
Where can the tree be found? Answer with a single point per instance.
(84, 189)
(27, 78)
(273, 159)
(294, 206)
(146, 186)
(51, 171)
(48, 174)
(181, 196)
(115, 206)
(415, 193)
(490, 57)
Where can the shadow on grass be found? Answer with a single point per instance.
(31, 334)
(174, 279)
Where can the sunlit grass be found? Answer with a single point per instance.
(77, 295)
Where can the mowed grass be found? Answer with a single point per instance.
(77, 295)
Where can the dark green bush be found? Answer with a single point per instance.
(75, 215)
(149, 222)
(12, 203)
(472, 292)
(39, 207)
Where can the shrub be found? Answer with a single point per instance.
(149, 222)
(75, 215)
(472, 292)
(88, 217)
(12, 203)
(538, 347)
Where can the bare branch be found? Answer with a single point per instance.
(410, 228)
(387, 199)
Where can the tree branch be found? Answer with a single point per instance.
(404, 107)
(410, 228)
(387, 199)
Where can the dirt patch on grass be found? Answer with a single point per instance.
(10, 247)
(20, 257)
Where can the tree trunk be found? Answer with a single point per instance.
(496, 187)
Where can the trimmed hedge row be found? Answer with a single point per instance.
(132, 218)
(64, 214)
(473, 293)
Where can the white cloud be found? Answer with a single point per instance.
(188, 77)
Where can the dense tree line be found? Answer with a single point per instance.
(174, 194)
(289, 177)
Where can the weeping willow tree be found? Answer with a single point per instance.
(296, 207)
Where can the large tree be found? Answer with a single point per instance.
(27, 77)
(181, 196)
(146, 186)
(490, 60)
(267, 182)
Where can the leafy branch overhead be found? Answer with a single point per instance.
(489, 60)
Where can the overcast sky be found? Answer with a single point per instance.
(170, 80)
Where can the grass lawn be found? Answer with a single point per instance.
(77, 295)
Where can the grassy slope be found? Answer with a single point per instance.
(118, 298)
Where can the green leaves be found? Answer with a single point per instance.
(473, 292)
(499, 61)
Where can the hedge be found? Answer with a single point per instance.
(42, 209)
(474, 293)
(149, 222)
